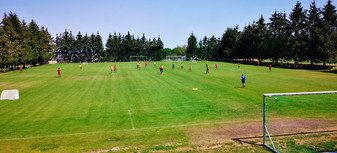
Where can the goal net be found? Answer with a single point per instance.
(175, 58)
(300, 122)
(138, 58)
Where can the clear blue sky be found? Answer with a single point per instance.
(172, 20)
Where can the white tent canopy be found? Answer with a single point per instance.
(10, 95)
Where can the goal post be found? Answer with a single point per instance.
(295, 115)
(175, 58)
(138, 58)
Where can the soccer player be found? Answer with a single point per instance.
(111, 67)
(243, 80)
(59, 72)
(115, 68)
(172, 67)
(154, 64)
(239, 65)
(258, 62)
(21, 68)
(139, 65)
(146, 64)
(80, 66)
(182, 65)
(161, 68)
(190, 68)
(269, 67)
(216, 66)
(207, 68)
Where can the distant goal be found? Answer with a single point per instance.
(175, 58)
(138, 58)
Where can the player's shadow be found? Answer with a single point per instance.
(238, 87)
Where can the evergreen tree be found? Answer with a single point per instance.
(98, 45)
(329, 33)
(86, 49)
(314, 29)
(191, 46)
(260, 39)
(79, 48)
(34, 35)
(159, 47)
(91, 47)
(109, 47)
(278, 32)
(298, 37)
(143, 45)
(213, 49)
(6, 50)
(227, 43)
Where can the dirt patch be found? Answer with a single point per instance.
(181, 149)
(228, 132)
(210, 147)
(99, 151)
(115, 149)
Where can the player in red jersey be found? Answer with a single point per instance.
(161, 68)
(115, 68)
(216, 66)
(207, 68)
(59, 72)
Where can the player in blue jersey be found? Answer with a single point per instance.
(243, 79)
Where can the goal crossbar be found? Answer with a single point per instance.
(265, 129)
(179, 58)
(299, 93)
(142, 57)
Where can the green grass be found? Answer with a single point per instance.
(84, 108)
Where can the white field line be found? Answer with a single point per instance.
(147, 128)
(133, 127)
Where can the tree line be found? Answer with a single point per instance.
(117, 47)
(22, 44)
(304, 35)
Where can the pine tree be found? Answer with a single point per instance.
(34, 35)
(330, 33)
(91, 47)
(109, 47)
(6, 50)
(314, 29)
(278, 37)
(298, 25)
(98, 43)
(191, 46)
(227, 43)
(86, 49)
(261, 39)
(159, 48)
(79, 49)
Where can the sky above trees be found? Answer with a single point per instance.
(172, 20)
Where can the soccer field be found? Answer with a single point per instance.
(93, 109)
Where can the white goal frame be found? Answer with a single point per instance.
(265, 129)
(141, 57)
(180, 58)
